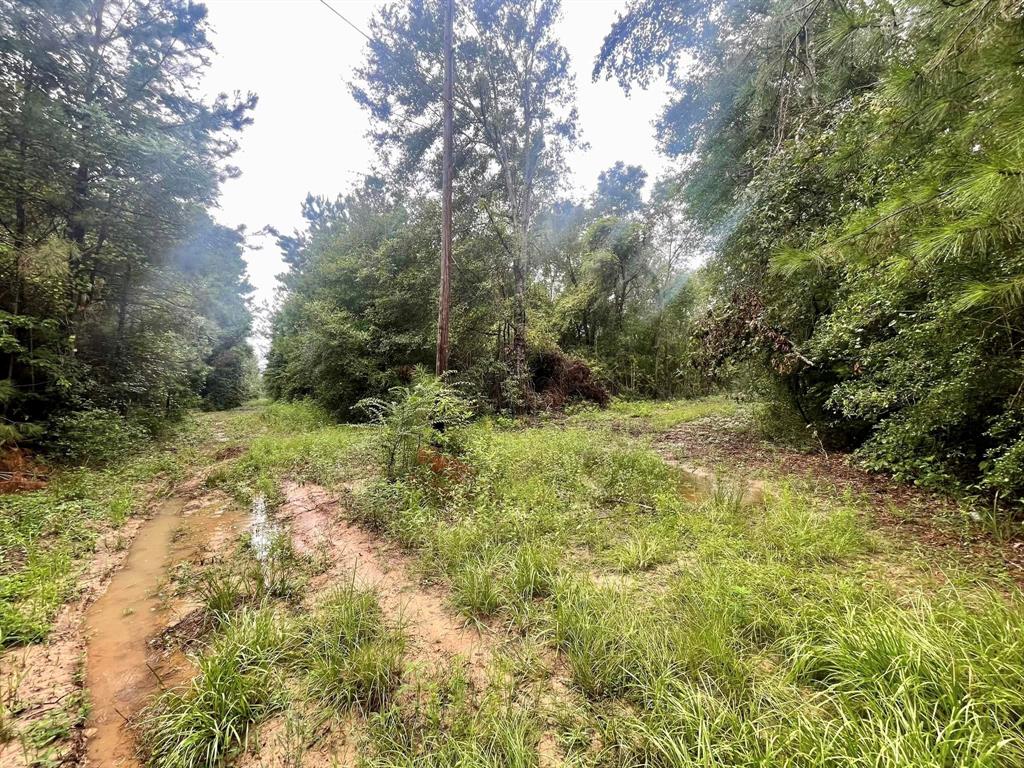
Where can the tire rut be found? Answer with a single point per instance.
(436, 633)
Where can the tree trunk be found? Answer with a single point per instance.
(519, 370)
(520, 374)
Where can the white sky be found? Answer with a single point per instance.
(309, 135)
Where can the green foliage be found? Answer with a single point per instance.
(659, 416)
(45, 535)
(94, 437)
(294, 439)
(446, 725)
(238, 684)
(426, 416)
(359, 314)
(353, 658)
(767, 634)
(231, 379)
(117, 290)
(860, 178)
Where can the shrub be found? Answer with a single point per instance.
(94, 437)
(429, 413)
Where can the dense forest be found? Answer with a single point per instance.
(122, 302)
(842, 238)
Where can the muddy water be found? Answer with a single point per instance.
(701, 483)
(122, 670)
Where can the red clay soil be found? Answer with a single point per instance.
(437, 636)
(929, 518)
(20, 471)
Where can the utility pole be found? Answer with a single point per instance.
(446, 191)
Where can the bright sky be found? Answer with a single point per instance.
(309, 135)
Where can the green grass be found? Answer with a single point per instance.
(658, 415)
(239, 684)
(307, 450)
(689, 631)
(263, 660)
(447, 724)
(353, 658)
(46, 535)
(770, 636)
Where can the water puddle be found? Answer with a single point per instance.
(263, 531)
(703, 483)
(123, 671)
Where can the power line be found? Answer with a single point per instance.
(344, 18)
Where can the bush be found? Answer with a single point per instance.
(94, 437)
(429, 414)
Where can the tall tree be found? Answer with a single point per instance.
(858, 167)
(106, 160)
(514, 117)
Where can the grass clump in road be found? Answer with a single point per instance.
(353, 658)
(239, 684)
(445, 723)
(261, 661)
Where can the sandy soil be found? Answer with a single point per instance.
(437, 634)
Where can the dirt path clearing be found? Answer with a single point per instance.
(436, 633)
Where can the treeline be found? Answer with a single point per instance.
(552, 298)
(121, 300)
(605, 307)
(862, 165)
(851, 183)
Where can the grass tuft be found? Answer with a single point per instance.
(205, 722)
(353, 658)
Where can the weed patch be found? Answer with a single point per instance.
(239, 684)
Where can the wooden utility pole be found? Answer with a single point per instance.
(446, 191)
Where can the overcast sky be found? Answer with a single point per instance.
(309, 135)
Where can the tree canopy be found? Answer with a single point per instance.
(861, 166)
(118, 290)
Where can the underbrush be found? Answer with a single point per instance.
(740, 635)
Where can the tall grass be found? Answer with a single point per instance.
(766, 642)
(46, 535)
(659, 415)
(238, 684)
(446, 725)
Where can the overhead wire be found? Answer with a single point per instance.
(380, 48)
